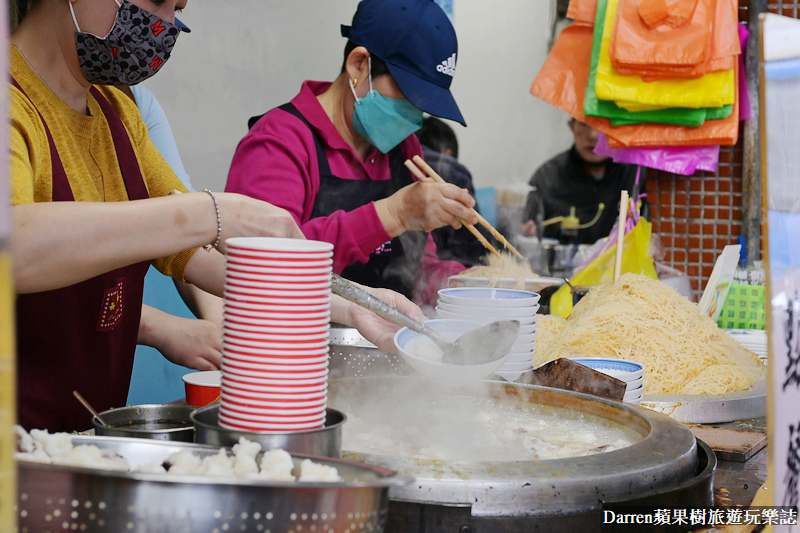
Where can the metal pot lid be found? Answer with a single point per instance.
(666, 456)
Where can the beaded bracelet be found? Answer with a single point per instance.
(208, 247)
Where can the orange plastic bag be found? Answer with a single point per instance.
(562, 81)
(633, 42)
(582, 10)
(715, 89)
(724, 47)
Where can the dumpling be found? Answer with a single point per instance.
(217, 465)
(184, 462)
(311, 471)
(55, 444)
(276, 465)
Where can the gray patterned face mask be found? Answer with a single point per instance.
(135, 48)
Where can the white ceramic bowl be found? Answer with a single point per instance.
(279, 244)
(279, 268)
(512, 367)
(495, 312)
(632, 394)
(618, 368)
(525, 321)
(510, 375)
(278, 349)
(244, 306)
(636, 383)
(286, 265)
(488, 297)
(408, 342)
(283, 321)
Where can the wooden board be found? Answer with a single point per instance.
(731, 444)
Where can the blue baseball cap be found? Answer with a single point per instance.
(181, 26)
(418, 44)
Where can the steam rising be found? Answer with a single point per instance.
(418, 418)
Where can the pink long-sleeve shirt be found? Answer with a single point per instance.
(277, 162)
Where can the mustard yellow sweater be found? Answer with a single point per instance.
(86, 149)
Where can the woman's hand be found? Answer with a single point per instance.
(189, 342)
(242, 216)
(375, 329)
(425, 206)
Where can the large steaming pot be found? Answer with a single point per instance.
(668, 467)
(667, 455)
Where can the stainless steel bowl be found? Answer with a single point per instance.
(326, 441)
(55, 498)
(151, 421)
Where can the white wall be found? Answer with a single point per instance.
(245, 57)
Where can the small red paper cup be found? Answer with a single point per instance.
(202, 388)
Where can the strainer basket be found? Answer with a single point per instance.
(59, 498)
(352, 356)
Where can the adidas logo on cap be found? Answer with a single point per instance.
(448, 66)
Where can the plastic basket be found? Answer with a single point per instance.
(744, 308)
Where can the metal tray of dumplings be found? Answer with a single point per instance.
(60, 498)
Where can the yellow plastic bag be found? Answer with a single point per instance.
(714, 89)
(635, 258)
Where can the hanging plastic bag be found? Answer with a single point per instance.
(714, 89)
(724, 48)
(603, 108)
(635, 258)
(582, 10)
(562, 81)
(683, 160)
(635, 42)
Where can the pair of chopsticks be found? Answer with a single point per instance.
(433, 176)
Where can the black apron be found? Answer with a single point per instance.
(395, 265)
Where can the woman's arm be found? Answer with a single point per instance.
(57, 244)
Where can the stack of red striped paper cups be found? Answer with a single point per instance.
(275, 334)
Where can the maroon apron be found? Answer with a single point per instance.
(81, 337)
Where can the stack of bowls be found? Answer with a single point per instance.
(275, 334)
(754, 340)
(485, 305)
(628, 371)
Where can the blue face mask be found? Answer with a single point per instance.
(384, 122)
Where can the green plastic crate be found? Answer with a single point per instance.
(744, 308)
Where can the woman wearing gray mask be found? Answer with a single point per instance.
(91, 205)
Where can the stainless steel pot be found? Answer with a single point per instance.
(326, 441)
(58, 498)
(665, 457)
(150, 421)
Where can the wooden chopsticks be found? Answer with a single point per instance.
(483, 222)
(422, 177)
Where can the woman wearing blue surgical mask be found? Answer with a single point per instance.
(334, 156)
(91, 209)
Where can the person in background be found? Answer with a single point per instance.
(91, 208)
(440, 151)
(334, 156)
(154, 378)
(582, 179)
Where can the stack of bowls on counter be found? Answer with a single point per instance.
(628, 371)
(275, 334)
(485, 305)
(754, 340)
